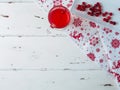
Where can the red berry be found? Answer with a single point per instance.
(91, 9)
(109, 17)
(96, 10)
(83, 3)
(106, 13)
(118, 9)
(81, 7)
(89, 5)
(78, 7)
(113, 22)
(105, 20)
(110, 13)
(90, 13)
(98, 3)
(97, 14)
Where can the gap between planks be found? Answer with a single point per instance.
(46, 69)
(11, 2)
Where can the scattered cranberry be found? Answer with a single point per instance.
(105, 20)
(81, 7)
(109, 17)
(96, 10)
(89, 5)
(83, 3)
(118, 9)
(113, 22)
(110, 13)
(104, 14)
(90, 13)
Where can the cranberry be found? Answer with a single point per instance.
(90, 13)
(118, 9)
(96, 10)
(105, 20)
(113, 22)
(89, 5)
(81, 7)
(83, 3)
(109, 17)
(97, 14)
(78, 7)
(110, 13)
(104, 14)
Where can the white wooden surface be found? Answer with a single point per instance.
(32, 57)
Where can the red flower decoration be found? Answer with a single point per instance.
(115, 43)
(92, 24)
(107, 30)
(91, 56)
(56, 2)
(77, 22)
(115, 74)
(94, 41)
(101, 60)
(116, 33)
(118, 78)
(116, 64)
(76, 35)
(97, 50)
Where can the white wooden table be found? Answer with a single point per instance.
(32, 57)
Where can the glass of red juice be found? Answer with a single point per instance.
(59, 17)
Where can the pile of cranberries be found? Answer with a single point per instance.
(97, 11)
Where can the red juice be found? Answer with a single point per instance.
(59, 17)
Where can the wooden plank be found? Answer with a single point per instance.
(55, 80)
(48, 62)
(24, 19)
(42, 52)
(24, 1)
